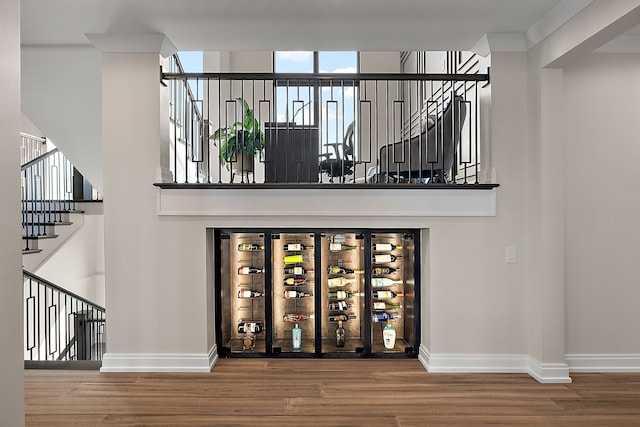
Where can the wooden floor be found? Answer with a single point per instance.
(368, 393)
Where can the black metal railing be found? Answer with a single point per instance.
(187, 124)
(50, 188)
(60, 325)
(47, 194)
(326, 128)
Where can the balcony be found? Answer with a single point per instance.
(267, 130)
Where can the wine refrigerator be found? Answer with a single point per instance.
(317, 293)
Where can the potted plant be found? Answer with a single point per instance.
(241, 141)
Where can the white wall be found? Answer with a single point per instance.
(479, 312)
(61, 95)
(27, 126)
(602, 204)
(158, 292)
(156, 299)
(11, 303)
(78, 265)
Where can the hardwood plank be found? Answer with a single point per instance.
(249, 420)
(325, 392)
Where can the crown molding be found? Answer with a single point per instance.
(132, 43)
(554, 19)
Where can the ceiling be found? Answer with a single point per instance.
(292, 24)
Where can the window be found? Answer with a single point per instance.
(296, 103)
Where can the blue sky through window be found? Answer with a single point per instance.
(193, 62)
(338, 104)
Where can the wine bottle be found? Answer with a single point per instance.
(296, 338)
(337, 247)
(380, 258)
(341, 317)
(379, 271)
(250, 247)
(337, 282)
(249, 270)
(296, 259)
(381, 282)
(296, 317)
(385, 247)
(340, 305)
(296, 294)
(340, 335)
(338, 238)
(336, 269)
(389, 336)
(293, 281)
(342, 294)
(383, 317)
(248, 341)
(385, 295)
(296, 247)
(297, 271)
(383, 305)
(249, 294)
(254, 327)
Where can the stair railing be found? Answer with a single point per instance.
(60, 325)
(31, 147)
(47, 193)
(189, 150)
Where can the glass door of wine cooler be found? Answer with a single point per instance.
(293, 293)
(342, 288)
(304, 293)
(392, 293)
(242, 292)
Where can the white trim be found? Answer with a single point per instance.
(603, 362)
(554, 19)
(132, 43)
(424, 356)
(548, 373)
(494, 363)
(323, 202)
(213, 356)
(625, 43)
(490, 363)
(500, 42)
(145, 362)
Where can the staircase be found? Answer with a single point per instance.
(60, 326)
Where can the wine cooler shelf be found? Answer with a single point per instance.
(310, 293)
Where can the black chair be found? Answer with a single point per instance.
(291, 152)
(339, 163)
(428, 155)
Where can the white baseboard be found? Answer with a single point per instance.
(509, 363)
(603, 362)
(213, 356)
(159, 362)
(494, 363)
(548, 373)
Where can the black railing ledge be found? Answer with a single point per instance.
(324, 186)
(307, 77)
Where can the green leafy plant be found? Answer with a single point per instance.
(240, 138)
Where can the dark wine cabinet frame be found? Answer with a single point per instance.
(272, 351)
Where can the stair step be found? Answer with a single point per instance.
(31, 251)
(46, 236)
(47, 217)
(48, 224)
(53, 211)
